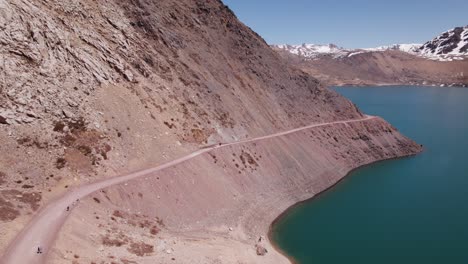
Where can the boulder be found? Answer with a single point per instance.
(3, 120)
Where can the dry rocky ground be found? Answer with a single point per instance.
(92, 89)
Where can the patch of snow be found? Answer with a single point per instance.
(356, 53)
(409, 48)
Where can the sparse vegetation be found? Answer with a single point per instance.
(27, 141)
(7, 211)
(198, 135)
(169, 125)
(214, 158)
(154, 230)
(118, 214)
(250, 159)
(78, 125)
(113, 242)
(32, 199)
(160, 222)
(60, 163)
(140, 249)
(85, 147)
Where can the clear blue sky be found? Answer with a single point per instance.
(350, 24)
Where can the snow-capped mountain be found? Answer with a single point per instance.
(450, 45)
(410, 48)
(315, 51)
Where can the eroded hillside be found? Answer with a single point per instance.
(95, 89)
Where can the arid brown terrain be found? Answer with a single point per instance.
(94, 89)
(391, 67)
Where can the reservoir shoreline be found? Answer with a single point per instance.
(272, 227)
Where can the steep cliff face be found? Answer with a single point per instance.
(56, 55)
(94, 89)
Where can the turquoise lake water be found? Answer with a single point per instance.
(412, 210)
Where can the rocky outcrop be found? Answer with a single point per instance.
(51, 65)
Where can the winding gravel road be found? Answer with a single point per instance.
(45, 225)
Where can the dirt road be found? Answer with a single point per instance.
(43, 228)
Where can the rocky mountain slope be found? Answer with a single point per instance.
(442, 61)
(450, 44)
(95, 89)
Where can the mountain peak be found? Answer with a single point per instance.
(453, 42)
(312, 50)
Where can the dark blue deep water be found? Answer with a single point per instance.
(412, 210)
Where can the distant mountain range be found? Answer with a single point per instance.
(442, 61)
(448, 46)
